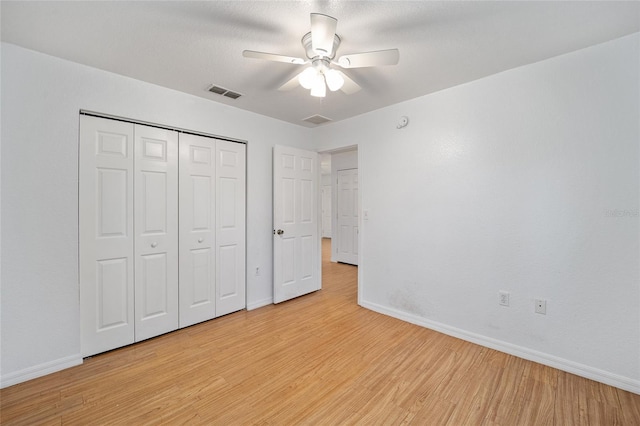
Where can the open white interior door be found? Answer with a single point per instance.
(296, 228)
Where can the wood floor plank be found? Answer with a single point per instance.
(435, 411)
(318, 360)
(630, 406)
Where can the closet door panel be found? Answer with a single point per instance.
(228, 276)
(197, 229)
(156, 225)
(112, 294)
(230, 227)
(154, 286)
(106, 234)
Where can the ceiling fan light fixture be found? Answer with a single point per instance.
(320, 46)
(319, 89)
(307, 78)
(334, 80)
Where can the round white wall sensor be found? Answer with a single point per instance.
(404, 120)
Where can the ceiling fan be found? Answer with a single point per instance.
(320, 45)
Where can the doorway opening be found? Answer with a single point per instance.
(339, 280)
(340, 216)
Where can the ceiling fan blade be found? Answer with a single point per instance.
(323, 30)
(349, 87)
(370, 59)
(291, 84)
(272, 57)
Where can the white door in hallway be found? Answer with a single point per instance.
(348, 208)
(296, 228)
(326, 211)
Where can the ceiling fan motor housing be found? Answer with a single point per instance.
(321, 64)
(312, 54)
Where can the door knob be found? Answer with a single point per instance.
(200, 240)
(154, 245)
(280, 232)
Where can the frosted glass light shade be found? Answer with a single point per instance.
(319, 90)
(334, 80)
(308, 77)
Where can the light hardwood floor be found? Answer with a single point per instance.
(319, 359)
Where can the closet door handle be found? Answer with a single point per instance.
(154, 245)
(200, 240)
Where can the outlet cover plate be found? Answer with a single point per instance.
(503, 298)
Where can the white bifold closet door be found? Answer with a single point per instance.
(197, 229)
(128, 229)
(156, 231)
(106, 234)
(162, 231)
(212, 228)
(230, 227)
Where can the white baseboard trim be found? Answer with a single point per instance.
(39, 370)
(578, 369)
(259, 303)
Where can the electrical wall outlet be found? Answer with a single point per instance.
(541, 306)
(503, 298)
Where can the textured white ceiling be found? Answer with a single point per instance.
(188, 46)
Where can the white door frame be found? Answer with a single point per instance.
(326, 230)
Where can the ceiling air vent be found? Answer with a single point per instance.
(232, 95)
(317, 119)
(224, 92)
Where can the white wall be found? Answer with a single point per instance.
(41, 99)
(526, 181)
